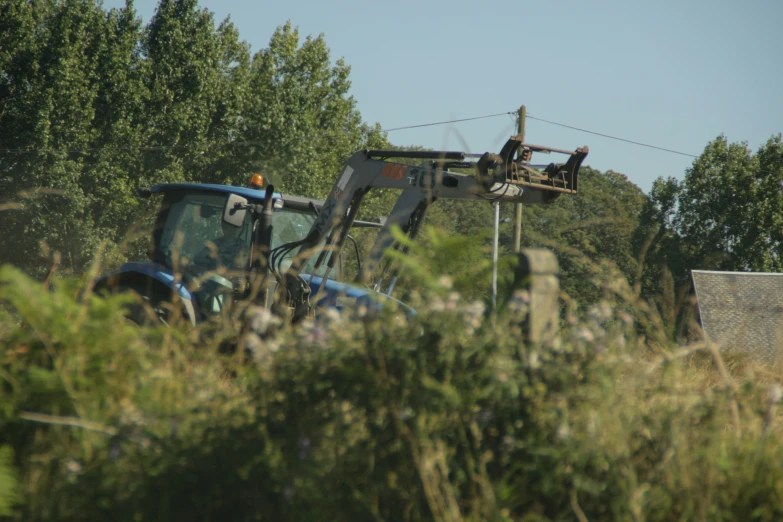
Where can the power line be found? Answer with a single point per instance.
(545, 121)
(446, 122)
(252, 143)
(209, 145)
(624, 140)
(612, 137)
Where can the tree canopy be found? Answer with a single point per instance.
(727, 214)
(93, 105)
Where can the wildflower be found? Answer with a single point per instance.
(306, 325)
(584, 334)
(474, 313)
(314, 335)
(533, 360)
(452, 300)
(261, 320)
(775, 394)
(436, 304)
(445, 281)
(253, 343)
(405, 414)
(362, 311)
(601, 312)
(332, 315)
(73, 466)
(518, 304)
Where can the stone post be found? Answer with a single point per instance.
(537, 272)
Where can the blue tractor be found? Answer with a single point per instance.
(215, 245)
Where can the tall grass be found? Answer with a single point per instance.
(447, 416)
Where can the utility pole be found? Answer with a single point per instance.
(496, 210)
(517, 221)
(518, 206)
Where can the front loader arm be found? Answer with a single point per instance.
(407, 215)
(507, 176)
(366, 170)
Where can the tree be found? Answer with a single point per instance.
(52, 63)
(595, 225)
(725, 215)
(197, 78)
(301, 120)
(93, 106)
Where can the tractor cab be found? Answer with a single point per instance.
(203, 228)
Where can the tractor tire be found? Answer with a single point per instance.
(150, 308)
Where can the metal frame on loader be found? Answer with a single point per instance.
(507, 176)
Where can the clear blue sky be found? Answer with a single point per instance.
(669, 73)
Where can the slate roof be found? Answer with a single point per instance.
(742, 312)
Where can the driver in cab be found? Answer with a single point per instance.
(223, 251)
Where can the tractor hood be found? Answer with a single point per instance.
(335, 294)
(338, 295)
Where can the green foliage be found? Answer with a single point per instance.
(439, 259)
(300, 117)
(446, 416)
(70, 85)
(9, 495)
(94, 105)
(725, 215)
(594, 226)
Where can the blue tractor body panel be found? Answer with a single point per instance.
(333, 290)
(154, 271)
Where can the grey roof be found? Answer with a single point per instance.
(742, 312)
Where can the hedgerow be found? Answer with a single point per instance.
(449, 415)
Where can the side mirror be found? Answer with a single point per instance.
(144, 192)
(236, 208)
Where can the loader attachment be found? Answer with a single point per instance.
(513, 166)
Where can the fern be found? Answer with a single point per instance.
(9, 492)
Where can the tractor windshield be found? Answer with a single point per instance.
(289, 227)
(194, 234)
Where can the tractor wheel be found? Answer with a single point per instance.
(150, 307)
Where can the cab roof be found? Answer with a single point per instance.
(300, 203)
(245, 192)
